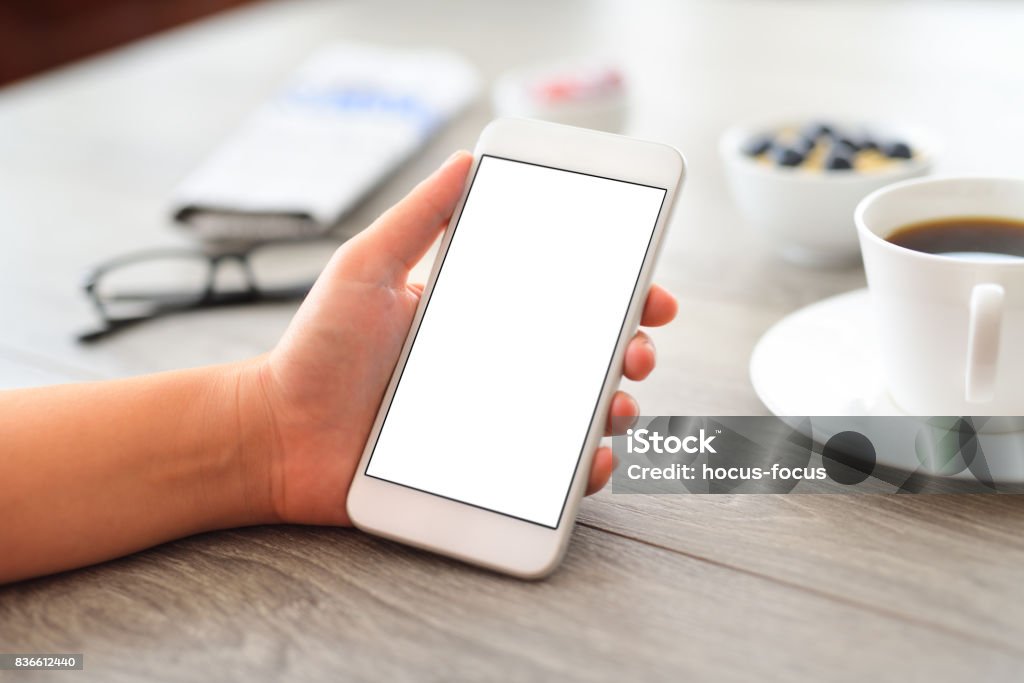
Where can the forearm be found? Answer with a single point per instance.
(94, 471)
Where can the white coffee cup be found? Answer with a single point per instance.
(950, 329)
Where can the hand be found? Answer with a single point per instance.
(320, 389)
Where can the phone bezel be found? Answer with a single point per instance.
(471, 533)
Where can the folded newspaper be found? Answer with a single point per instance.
(342, 123)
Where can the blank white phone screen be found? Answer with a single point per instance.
(500, 386)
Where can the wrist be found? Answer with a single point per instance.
(242, 445)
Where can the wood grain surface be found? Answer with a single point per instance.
(743, 587)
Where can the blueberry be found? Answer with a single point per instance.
(838, 162)
(758, 146)
(896, 150)
(840, 156)
(848, 141)
(787, 156)
(865, 142)
(844, 147)
(803, 144)
(816, 129)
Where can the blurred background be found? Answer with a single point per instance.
(95, 150)
(42, 34)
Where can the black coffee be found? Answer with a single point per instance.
(964, 234)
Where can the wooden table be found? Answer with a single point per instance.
(664, 587)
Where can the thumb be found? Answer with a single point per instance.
(395, 242)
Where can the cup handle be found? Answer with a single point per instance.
(983, 331)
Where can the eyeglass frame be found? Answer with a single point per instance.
(210, 297)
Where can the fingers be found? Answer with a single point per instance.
(396, 241)
(660, 308)
(600, 470)
(622, 414)
(640, 357)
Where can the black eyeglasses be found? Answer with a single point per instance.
(145, 285)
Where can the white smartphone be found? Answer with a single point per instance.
(482, 446)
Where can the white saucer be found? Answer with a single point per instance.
(822, 361)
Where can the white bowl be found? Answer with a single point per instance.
(602, 106)
(806, 214)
